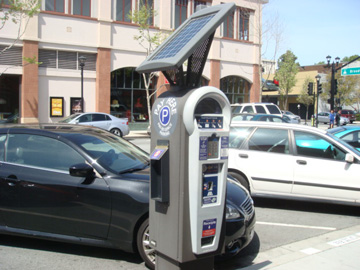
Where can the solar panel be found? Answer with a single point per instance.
(183, 42)
(182, 38)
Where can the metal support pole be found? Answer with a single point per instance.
(332, 89)
(82, 60)
(82, 88)
(317, 104)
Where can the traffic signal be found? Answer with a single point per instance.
(335, 86)
(310, 88)
(319, 88)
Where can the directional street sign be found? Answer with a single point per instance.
(352, 69)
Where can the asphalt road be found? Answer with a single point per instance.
(279, 222)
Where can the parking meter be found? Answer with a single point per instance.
(190, 139)
(189, 149)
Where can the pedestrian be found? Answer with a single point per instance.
(337, 118)
(332, 118)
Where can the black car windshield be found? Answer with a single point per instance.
(69, 118)
(111, 152)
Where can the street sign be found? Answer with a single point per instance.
(352, 69)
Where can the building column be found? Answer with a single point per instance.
(103, 80)
(255, 87)
(215, 73)
(29, 98)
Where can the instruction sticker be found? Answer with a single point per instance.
(209, 227)
(210, 189)
(224, 152)
(203, 151)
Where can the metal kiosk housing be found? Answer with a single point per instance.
(189, 142)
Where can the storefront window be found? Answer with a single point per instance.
(128, 95)
(236, 89)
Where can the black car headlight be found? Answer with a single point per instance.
(232, 212)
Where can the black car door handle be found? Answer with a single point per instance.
(243, 155)
(12, 180)
(301, 162)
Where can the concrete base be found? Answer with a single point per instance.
(164, 263)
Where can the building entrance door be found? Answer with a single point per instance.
(9, 98)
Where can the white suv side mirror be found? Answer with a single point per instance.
(349, 158)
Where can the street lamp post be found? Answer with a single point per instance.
(317, 77)
(82, 60)
(298, 106)
(333, 71)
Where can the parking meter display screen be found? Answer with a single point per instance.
(208, 106)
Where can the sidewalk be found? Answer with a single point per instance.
(135, 134)
(332, 251)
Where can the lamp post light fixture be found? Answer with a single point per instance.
(317, 77)
(333, 71)
(82, 60)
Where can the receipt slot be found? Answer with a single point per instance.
(190, 135)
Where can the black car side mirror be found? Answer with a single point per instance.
(81, 170)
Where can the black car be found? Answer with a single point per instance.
(85, 185)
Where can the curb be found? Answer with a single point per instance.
(291, 254)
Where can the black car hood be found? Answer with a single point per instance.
(235, 193)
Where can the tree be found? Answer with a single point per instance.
(271, 38)
(304, 96)
(149, 39)
(347, 88)
(350, 58)
(18, 12)
(286, 74)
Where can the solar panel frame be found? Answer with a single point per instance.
(173, 52)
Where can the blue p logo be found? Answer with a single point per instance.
(164, 115)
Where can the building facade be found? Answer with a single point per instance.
(102, 31)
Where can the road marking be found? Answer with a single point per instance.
(344, 240)
(310, 251)
(296, 226)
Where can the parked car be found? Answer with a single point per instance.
(254, 108)
(350, 114)
(118, 126)
(293, 118)
(349, 134)
(260, 117)
(84, 185)
(294, 161)
(14, 118)
(269, 85)
(324, 118)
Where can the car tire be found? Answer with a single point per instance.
(117, 132)
(241, 179)
(146, 252)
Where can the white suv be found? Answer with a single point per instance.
(267, 108)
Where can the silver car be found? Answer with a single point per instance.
(292, 118)
(323, 117)
(117, 126)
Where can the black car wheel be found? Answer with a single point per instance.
(241, 179)
(147, 253)
(116, 131)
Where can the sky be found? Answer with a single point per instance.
(312, 29)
